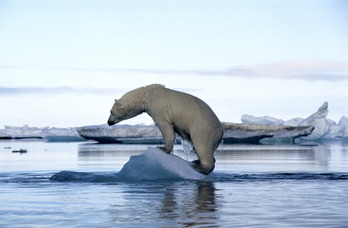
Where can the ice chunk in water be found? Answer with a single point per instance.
(157, 165)
(320, 123)
(152, 165)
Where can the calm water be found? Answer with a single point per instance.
(252, 185)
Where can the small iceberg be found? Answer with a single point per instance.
(154, 164)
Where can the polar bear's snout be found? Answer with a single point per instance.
(110, 123)
(111, 120)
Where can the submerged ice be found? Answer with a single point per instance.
(152, 165)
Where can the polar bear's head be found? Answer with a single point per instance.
(116, 113)
(131, 104)
(123, 110)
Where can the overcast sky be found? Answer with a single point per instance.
(62, 62)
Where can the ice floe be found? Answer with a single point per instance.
(324, 128)
(48, 133)
(154, 164)
(264, 129)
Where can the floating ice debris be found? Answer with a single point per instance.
(320, 123)
(21, 151)
(154, 164)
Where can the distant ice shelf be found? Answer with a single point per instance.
(266, 130)
(52, 134)
(324, 128)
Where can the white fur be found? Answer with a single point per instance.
(174, 111)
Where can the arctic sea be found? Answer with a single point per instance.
(252, 185)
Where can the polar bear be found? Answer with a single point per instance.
(174, 112)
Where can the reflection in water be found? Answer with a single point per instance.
(322, 155)
(196, 206)
(109, 156)
(179, 203)
(206, 197)
(248, 158)
(231, 158)
(266, 152)
(105, 150)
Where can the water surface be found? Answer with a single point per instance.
(252, 185)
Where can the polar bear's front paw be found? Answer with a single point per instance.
(197, 165)
(165, 150)
(196, 162)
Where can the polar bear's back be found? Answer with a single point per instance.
(181, 108)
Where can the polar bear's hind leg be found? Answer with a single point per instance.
(205, 146)
(206, 162)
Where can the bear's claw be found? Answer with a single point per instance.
(165, 150)
(196, 164)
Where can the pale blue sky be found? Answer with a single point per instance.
(63, 62)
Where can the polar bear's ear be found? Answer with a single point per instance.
(117, 102)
